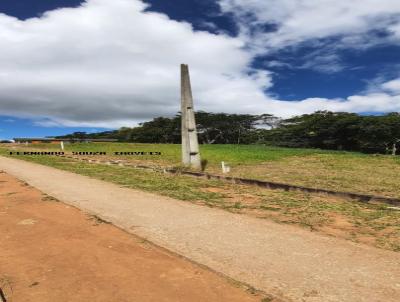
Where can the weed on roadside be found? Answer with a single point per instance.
(97, 220)
(46, 197)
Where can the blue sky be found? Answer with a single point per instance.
(97, 64)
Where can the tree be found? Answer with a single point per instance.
(222, 128)
(159, 130)
(338, 131)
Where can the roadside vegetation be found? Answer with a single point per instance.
(373, 224)
(323, 169)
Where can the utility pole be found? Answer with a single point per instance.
(190, 144)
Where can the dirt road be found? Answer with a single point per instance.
(283, 260)
(53, 252)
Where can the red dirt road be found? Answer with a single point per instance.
(53, 252)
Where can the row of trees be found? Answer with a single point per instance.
(325, 130)
(213, 128)
(339, 131)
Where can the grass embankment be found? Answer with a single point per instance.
(236, 155)
(372, 224)
(339, 171)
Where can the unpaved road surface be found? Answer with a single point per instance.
(283, 260)
(53, 252)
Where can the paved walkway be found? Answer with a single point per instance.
(282, 260)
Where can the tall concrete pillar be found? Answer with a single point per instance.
(190, 144)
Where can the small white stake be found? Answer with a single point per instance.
(225, 167)
(62, 145)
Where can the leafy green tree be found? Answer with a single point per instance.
(338, 131)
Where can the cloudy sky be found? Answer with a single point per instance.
(68, 65)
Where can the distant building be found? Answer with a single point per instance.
(51, 140)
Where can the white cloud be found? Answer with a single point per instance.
(394, 29)
(328, 26)
(326, 62)
(385, 98)
(392, 86)
(110, 64)
(298, 21)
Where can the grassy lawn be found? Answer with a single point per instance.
(373, 224)
(340, 171)
(171, 154)
(367, 174)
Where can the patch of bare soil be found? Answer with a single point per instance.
(316, 212)
(52, 252)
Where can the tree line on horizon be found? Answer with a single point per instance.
(322, 129)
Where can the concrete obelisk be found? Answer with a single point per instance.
(190, 145)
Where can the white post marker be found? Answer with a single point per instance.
(225, 167)
(62, 145)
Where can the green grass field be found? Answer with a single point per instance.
(171, 154)
(340, 171)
